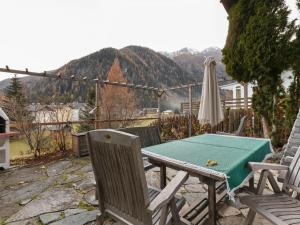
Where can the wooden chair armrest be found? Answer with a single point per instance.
(168, 192)
(221, 132)
(224, 133)
(288, 159)
(266, 166)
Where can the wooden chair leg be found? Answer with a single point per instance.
(262, 182)
(175, 214)
(251, 184)
(273, 183)
(164, 215)
(100, 219)
(250, 217)
(260, 188)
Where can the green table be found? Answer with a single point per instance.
(232, 154)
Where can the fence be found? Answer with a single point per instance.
(228, 103)
(176, 127)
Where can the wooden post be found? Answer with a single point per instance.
(190, 110)
(159, 94)
(97, 103)
(246, 96)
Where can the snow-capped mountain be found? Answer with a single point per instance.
(192, 61)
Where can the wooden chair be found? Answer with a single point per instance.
(240, 129)
(290, 149)
(148, 135)
(279, 208)
(293, 143)
(121, 183)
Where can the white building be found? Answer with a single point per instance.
(237, 90)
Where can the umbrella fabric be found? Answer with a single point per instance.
(210, 111)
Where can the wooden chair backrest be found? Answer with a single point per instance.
(121, 183)
(148, 135)
(293, 142)
(292, 179)
(241, 127)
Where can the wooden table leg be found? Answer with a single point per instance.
(251, 184)
(163, 176)
(212, 212)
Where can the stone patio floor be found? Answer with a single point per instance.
(62, 193)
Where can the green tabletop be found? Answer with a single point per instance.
(231, 153)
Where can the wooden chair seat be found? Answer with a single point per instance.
(279, 209)
(153, 192)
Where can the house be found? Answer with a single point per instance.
(55, 112)
(236, 90)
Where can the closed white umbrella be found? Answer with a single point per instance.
(210, 111)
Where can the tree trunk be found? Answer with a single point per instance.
(265, 126)
(298, 88)
(274, 126)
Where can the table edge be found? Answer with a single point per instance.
(199, 170)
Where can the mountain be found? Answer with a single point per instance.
(183, 51)
(192, 61)
(139, 65)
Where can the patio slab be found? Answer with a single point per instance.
(62, 192)
(53, 200)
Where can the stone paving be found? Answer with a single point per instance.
(62, 193)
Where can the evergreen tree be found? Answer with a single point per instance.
(257, 50)
(15, 103)
(293, 97)
(15, 90)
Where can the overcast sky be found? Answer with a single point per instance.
(46, 34)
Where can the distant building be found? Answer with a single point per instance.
(235, 90)
(149, 111)
(55, 112)
(168, 112)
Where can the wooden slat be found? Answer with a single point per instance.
(280, 209)
(148, 135)
(289, 217)
(293, 221)
(293, 178)
(292, 212)
(121, 182)
(255, 206)
(118, 167)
